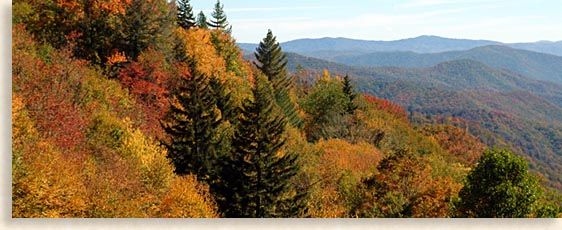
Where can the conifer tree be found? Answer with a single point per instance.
(202, 20)
(219, 21)
(192, 125)
(256, 178)
(186, 19)
(272, 63)
(350, 94)
(223, 100)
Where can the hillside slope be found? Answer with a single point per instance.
(534, 65)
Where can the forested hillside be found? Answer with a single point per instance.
(135, 108)
(533, 65)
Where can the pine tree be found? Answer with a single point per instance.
(186, 19)
(223, 100)
(272, 63)
(350, 94)
(192, 125)
(145, 24)
(257, 176)
(219, 21)
(202, 20)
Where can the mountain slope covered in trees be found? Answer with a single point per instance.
(534, 65)
(133, 108)
(502, 107)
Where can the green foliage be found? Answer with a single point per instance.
(185, 16)
(192, 125)
(145, 24)
(326, 106)
(219, 21)
(202, 20)
(350, 94)
(272, 62)
(499, 186)
(256, 177)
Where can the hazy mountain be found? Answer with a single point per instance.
(534, 65)
(323, 47)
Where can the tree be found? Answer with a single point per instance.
(223, 100)
(186, 19)
(272, 64)
(257, 175)
(499, 186)
(350, 94)
(202, 20)
(192, 125)
(326, 106)
(219, 21)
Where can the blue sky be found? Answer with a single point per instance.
(500, 20)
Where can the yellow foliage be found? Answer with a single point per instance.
(45, 183)
(199, 47)
(156, 169)
(187, 199)
(340, 163)
(359, 158)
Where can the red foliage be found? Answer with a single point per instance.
(51, 89)
(382, 104)
(148, 81)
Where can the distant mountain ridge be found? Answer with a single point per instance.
(421, 44)
(531, 64)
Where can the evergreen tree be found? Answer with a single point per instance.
(256, 178)
(499, 186)
(202, 20)
(350, 94)
(145, 24)
(186, 19)
(219, 21)
(192, 125)
(272, 63)
(223, 99)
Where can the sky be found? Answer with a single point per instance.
(499, 20)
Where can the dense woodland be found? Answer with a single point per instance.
(144, 108)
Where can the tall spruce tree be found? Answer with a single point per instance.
(223, 100)
(186, 19)
(256, 178)
(272, 62)
(219, 21)
(202, 21)
(350, 94)
(192, 125)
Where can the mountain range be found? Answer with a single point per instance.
(509, 97)
(421, 44)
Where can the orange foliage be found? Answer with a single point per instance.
(457, 142)
(403, 186)
(341, 163)
(187, 198)
(51, 89)
(359, 159)
(382, 104)
(198, 47)
(45, 183)
(148, 80)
